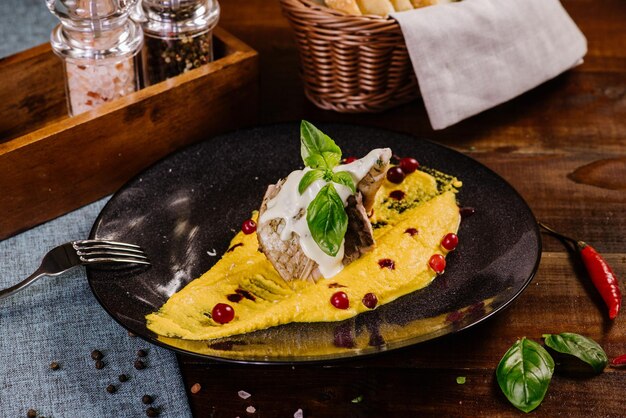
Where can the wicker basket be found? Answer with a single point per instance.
(350, 63)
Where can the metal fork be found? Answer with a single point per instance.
(82, 253)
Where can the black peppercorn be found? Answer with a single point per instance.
(139, 365)
(111, 389)
(54, 365)
(152, 412)
(147, 399)
(123, 378)
(99, 364)
(167, 58)
(31, 413)
(96, 355)
(142, 353)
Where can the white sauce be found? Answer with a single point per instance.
(288, 203)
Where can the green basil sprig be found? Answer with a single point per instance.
(525, 371)
(308, 178)
(316, 148)
(326, 216)
(579, 346)
(524, 374)
(327, 220)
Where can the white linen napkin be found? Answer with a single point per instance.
(473, 55)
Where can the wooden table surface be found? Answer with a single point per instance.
(563, 147)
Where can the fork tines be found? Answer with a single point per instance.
(103, 251)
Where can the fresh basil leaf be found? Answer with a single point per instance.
(308, 178)
(579, 346)
(345, 178)
(316, 148)
(524, 374)
(327, 220)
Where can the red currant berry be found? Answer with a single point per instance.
(437, 262)
(466, 212)
(387, 263)
(395, 175)
(248, 226)
(450, 241)
(455, 316)
(397, 195)
(340, 300)
(349, 160)
(222, 313)
(411, 231)
(409, 165)
(370, 300)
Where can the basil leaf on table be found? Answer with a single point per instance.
(327, 220)
(308, 178)
(344, 178)
(579, 346)
(524, 374)
(316, 148)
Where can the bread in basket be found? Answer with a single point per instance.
(350, 63)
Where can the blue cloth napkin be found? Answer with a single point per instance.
(57, 319)
(24, 24)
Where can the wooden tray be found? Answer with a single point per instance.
(51, 163)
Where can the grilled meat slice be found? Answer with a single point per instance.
(359, 237)
(374, 178)
(287, 256)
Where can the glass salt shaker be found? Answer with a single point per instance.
(99, 45)
(178, 36)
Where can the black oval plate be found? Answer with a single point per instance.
(185, 209)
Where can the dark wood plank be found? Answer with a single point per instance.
(562, 146)
(587, 205)
(397, 392)
(24, 107)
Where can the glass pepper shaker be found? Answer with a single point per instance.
(178, 36)
(99, 45)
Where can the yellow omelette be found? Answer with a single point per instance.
(409, 221)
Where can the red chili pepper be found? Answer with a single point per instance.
(602, 277)
(619, 361)
(599, 271)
